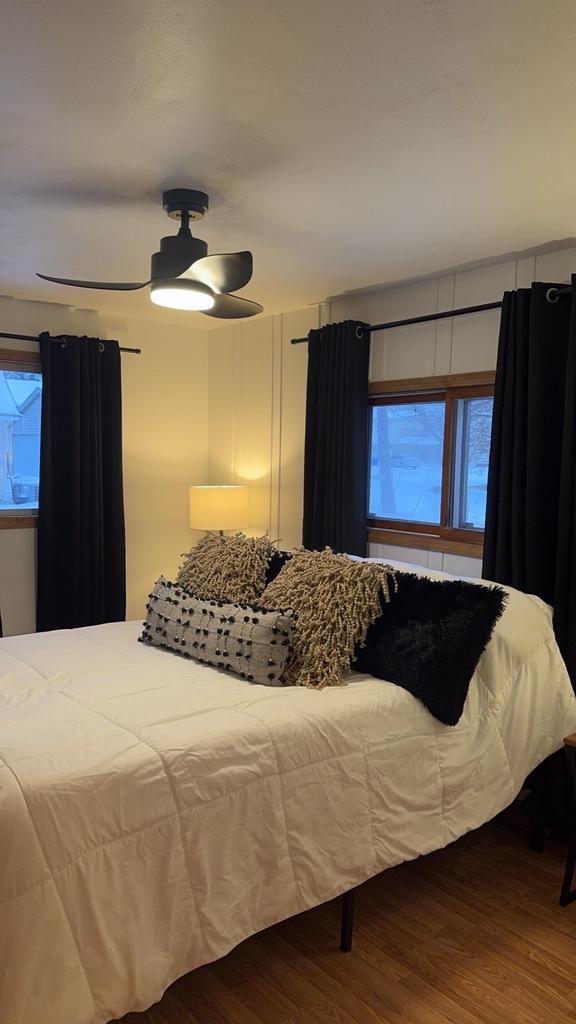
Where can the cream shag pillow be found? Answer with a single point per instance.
(336, 599)
(226, 567)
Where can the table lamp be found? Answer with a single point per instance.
(218, 508)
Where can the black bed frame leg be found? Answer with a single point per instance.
(347, 923)
(567, 894)
(537, 837)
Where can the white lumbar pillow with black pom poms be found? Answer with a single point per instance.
(251, 641)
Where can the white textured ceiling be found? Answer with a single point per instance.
(344, 143)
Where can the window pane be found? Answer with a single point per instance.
(473, 429)
(406, 461)
(20, 404)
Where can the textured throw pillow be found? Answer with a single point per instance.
(249, 640)
(429, 639)
(335, 599)
(227, 568)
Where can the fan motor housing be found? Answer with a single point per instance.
(177, 253)
(177, 201)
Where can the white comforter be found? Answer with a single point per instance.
(155, 812)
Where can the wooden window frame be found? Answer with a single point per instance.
(29, 361)
(428, 536)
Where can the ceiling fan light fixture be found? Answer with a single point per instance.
(182, 274)
(181, 294)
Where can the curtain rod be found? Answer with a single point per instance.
(553, 294)
(33, 337)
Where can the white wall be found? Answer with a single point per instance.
(258, 380)
(461, 345)
(165, 402)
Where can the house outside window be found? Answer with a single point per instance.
(428, 461)
(20, 413)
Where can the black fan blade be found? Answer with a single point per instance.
(128, 286)
(227, 272)
(232, 307)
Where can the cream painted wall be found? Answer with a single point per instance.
(165, 400)
(228, 405)
(258, 380)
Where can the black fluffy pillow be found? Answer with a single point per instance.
(275, 564)
(429, 639)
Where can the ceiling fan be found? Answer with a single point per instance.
(182, 275)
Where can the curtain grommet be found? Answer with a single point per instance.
(359, 333)
(552, 296)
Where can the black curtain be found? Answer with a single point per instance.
(530, 535)
(81, 546)
(336, 447)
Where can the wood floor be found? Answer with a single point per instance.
(470, 935)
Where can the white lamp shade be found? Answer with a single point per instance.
(218, 508)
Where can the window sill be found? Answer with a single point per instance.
(448, 541)
(16, 522)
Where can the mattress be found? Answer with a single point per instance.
(155, 812)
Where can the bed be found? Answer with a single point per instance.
(155, 812)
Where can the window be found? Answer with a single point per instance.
(428, 470)
(406, 460)
(472, 431)
(20, 406)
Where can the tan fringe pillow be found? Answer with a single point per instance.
(228, 567)
(336, 600)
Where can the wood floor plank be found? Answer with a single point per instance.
(466, 923)
(472, 934)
